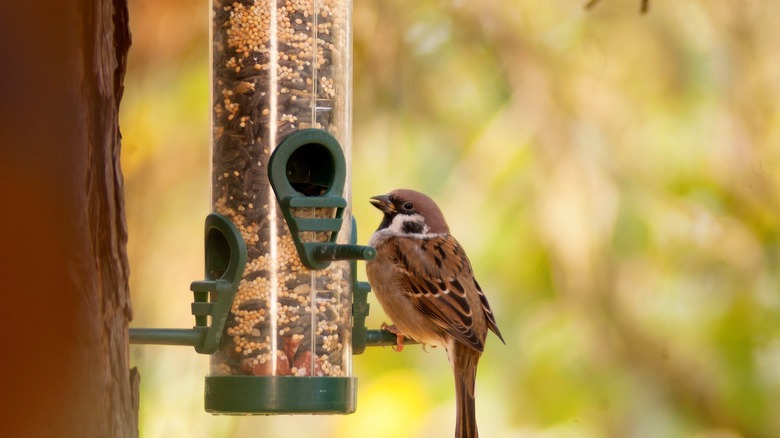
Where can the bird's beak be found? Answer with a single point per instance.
(383, 203)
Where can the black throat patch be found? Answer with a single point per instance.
(412, 227)
(386, 221)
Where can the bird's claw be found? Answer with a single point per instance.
(399, 337)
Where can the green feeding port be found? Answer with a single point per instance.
(307, 172)
(225, 254)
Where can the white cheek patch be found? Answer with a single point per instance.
(403, 223)
(404, 226)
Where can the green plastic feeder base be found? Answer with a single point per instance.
(252, 395)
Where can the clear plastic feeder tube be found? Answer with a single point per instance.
(278, 67)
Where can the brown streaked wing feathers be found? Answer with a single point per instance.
(437, 277)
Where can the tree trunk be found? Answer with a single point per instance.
(65, 307)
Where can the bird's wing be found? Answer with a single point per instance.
(491, 319)
(437, 277)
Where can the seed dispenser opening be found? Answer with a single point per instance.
(310, 170)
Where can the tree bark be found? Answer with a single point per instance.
(66, 307)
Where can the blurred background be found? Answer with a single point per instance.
(614, 177)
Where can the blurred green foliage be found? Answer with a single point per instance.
(615, 178)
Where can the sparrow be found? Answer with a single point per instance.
(424, 282)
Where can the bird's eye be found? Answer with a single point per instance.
(408, 206)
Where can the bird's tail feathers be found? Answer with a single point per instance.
(464, 361)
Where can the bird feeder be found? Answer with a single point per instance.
(281, 127)
(280, 311)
